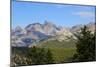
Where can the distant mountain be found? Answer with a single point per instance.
(76, 28)
(47, 28)
(36, 32)
(50, 28)
(91, 26)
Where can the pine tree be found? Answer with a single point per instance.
(40, 55)
(85, 45)
(49, 57)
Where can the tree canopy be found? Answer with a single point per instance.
(85, 46)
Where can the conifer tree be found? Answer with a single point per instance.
(49, 57)
(86, 47)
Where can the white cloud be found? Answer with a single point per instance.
(85, 14)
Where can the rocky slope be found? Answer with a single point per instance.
(36, 32)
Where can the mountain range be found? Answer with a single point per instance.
(35, 33)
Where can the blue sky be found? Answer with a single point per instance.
(24, 13)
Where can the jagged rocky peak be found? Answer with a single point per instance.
(36, 32)
(49, 28)
(48, 23)
(91, 23)
(77, 28)
(18, 31)
(64, 31)
(91, 26)
(35, 27)
(18, 28)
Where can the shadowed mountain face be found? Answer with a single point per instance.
(36, 32)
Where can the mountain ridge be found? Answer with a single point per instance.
(35, 32)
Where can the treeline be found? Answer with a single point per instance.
(31, 56)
